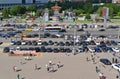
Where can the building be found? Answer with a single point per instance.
(115, 1)
(10, 3)
(68, 0)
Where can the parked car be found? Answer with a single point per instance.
(101, 30)
(1, 42)
(18, 42)
(80, 49)
(34, 43)
(39, 42)
(43, 49)
(24, 43)
(49, 50)
(6, 49)
(55, 50)
(116, 66)
(105, 61)
(62, 49)
(80, 29)
(50, 42)
(29, 43)
(115, 49)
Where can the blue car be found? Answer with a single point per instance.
(105, 61)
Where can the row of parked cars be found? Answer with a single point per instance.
(38, 49)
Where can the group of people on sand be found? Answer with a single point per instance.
(101, 76)
(50, 66)
(92, 58)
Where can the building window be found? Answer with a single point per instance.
(34, 1)
(23, 1)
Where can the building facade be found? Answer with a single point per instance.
(10, 3)
(115, 1)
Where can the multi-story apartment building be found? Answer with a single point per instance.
(10, 3)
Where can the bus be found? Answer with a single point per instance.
(53, 29)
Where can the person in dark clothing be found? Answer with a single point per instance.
(116, 61)
(18, 76)
(113, 60)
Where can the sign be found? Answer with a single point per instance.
(105, 12)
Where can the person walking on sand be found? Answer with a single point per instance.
(97, 69)
(36, 67)
(47, 67)
(58, 64)
(14, 68)
(50, 62)
(18, 76)
(21, 62)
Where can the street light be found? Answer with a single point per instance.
(118, 31)
(39, 25)
(74, 37)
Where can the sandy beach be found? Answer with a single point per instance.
(74, 67)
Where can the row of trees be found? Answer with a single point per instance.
(78, 8)
(87, 8)
(18, 10)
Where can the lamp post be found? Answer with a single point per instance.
(39, 25)
(118, 31)
(74, 37)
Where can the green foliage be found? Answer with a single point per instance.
(88, 16)
(88, 8)
(17, 10)
(99, 12)
(80, 11)
(32, 8)
(5, 12)
(118, 14)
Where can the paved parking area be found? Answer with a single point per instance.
(74, 67)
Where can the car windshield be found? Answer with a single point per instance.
(117, 65)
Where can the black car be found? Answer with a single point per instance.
(62, 49)
(6, 49)
(1, 42)
(101, 29)
(105, 61)
(43, 49)
(34, 43)
(80, 29)
(50, 42)
(49, 50)
(55, 50)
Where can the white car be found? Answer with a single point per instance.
(39, 42)
(24, 43)
(115, 49)
(116, 66)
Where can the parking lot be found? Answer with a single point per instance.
(57, 46)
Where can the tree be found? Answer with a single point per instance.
(79, 11)
(5, 12)
(99, 12)
(88, 16)
(88, 8)
(118, 14)
(22, 10)
(17, 9)
(32, 8)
